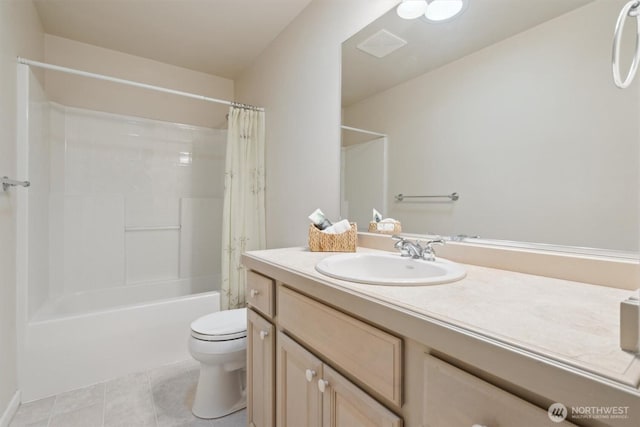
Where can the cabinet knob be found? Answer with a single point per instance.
(322, 385)
(309, 374)
(254, 293)
(263, 334)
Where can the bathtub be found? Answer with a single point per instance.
(86, 338)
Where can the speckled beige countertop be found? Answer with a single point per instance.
(569, 322)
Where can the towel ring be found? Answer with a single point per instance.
(630, 9)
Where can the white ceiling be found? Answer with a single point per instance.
(219, 37)
(432, 45)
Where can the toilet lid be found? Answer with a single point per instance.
(221, 325)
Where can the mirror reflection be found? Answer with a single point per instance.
(511, 105)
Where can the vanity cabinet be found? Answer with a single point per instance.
(261, 347)
(314, 361)
(312, 394)
(293, 386)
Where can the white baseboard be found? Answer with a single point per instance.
(11, 410)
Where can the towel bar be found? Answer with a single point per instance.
(453, 197)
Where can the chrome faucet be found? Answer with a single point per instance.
(415, 250)
(408, 248)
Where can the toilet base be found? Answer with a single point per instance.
(219, 392)
(236, 408)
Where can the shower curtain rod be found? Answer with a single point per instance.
(363, 131)
(132, 83)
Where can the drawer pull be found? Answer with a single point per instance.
(309, 374)
(263, 334)
(322, 385)
(254, 293)
(478, 425)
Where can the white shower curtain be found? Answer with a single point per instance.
(243, 218)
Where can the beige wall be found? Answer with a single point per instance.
(116, 98)
(297, 79)
(20, 34)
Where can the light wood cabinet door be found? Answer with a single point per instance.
(299, 402)
(345, 405)
(454, 398)
(260, 371)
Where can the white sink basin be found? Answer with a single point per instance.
(389, 269)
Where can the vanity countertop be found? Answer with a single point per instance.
(575, 324)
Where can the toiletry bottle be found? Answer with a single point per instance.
(319, 220)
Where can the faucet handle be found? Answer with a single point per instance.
(400, 241)
(439, 241)
(429, 253)
(401, 245)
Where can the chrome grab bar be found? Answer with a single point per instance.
(453, 197)
(630, 9)
(6, 183)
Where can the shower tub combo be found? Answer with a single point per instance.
(118, 241)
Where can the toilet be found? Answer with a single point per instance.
(219, 342)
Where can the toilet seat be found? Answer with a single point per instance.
(221, 326)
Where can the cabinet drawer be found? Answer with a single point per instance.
(260, 291)
(454, 398)
(373, 357)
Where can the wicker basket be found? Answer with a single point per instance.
(323, 242)
(373, 228)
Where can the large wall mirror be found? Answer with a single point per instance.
(512, 106)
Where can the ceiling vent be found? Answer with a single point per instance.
(381, 44)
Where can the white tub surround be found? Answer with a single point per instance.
(543, 339)
(131, 201)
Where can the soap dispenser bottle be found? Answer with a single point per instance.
(630, 324)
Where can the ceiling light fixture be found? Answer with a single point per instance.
(411, 9)
(443, 10)
(434, 10)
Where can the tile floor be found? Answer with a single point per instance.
(158, 398)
